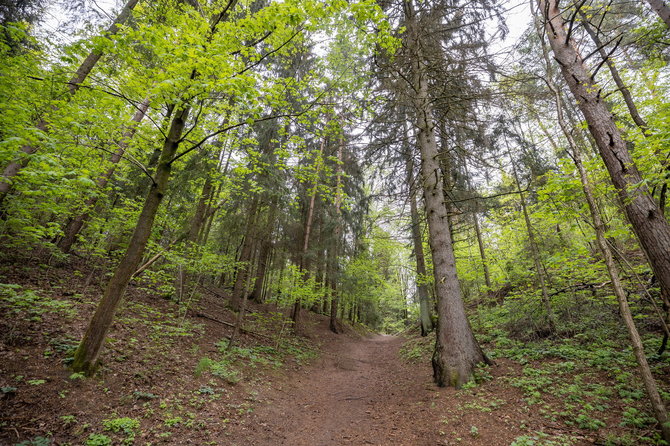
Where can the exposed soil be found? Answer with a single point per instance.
(356, 389)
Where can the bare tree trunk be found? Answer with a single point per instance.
(75, 225)
(662, 9)
(456, 349)
(264, 251)
(86, 356)
(621, 86)
(333, 270)
(307, 232)
(478, 233)
(14, 167)
(246, 254)
(648, 222)
(421, 288)
(534, 251)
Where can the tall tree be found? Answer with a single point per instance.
(647, 220)
(74, 84)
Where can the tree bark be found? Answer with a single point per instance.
(14, 167)
(86, 356)
(456, 349)
(246, 254)
(332, 272)
(417, 241)
(75, 225)
(648, 222)
(621, 86)
(534, 252)
(662, 9)
(307, 232)
(599, 227)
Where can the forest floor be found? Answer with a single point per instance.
(168, 377)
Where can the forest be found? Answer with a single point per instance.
(258, 222)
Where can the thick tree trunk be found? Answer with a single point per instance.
(86, 356)
(456, 349)
(417, 241)
(14, 167)
(75, 225)
(662, 9)
(648, 222)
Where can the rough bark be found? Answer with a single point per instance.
(456, 349)
(75, 225)
(14, 167)
(86, 356)
(648, 222)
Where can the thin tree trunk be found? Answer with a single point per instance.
(333, 270)
(264, 251)
(246, 254)
(307, 232)
(534, 251)
(456, 349)
(621, 86)
(648, 222)
(421, 288)
(478, 233)
(86, 356)
(75, 225)
(14, 167)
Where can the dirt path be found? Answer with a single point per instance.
(358, 393)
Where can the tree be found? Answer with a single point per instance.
(647, 220)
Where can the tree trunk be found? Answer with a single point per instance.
(307, 232)
(649, 224)
(14, 167)
(621, 86)
(417, 241)
(86, 356)
(333, 269)
(662, 9)
(264, 251)
(75, 225)
(534, 252)
(246, 254)
(456, 349)
(636, 342)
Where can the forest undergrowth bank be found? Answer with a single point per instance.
(168, 377)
